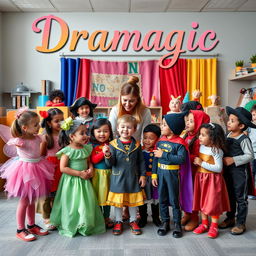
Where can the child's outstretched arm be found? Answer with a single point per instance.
(65, 169)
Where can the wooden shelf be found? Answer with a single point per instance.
(248, 77)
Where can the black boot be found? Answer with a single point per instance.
(164, 228)
(177, 232)
(155, 214)
(143, 216)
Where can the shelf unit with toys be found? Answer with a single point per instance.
(248, 77)
(156, 113)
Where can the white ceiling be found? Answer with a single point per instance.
(127, 5)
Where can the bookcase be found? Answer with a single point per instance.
(156, 113)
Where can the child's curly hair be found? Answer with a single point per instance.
(217, 136)
(56, 93)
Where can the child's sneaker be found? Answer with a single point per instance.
(135, 228)
(25, 235)
(213, 232)
(118, 228)
(50, 227)
(200, 229)
(36, 230)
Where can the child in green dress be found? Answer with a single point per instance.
(75, 209)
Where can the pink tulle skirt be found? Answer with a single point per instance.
(27, 179)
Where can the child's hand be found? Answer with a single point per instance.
(84, 175)
(197, 161)
(106, 150)
(228, 160)
(142, 181)
(90, 173)
(154, 182)
(158, 152)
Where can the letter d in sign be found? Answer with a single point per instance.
(47, 31)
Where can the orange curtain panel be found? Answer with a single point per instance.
(202, 75)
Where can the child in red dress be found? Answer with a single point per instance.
(210, 192)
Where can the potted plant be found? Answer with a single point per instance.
(239, 64)
(253, 61)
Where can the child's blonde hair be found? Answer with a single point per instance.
(127, 119)
(22, 119)
(131, 87)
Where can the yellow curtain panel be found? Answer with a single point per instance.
(202, 76)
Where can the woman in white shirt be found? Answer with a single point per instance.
(130, 103)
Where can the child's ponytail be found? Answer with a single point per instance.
(16, 130)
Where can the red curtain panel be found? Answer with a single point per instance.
(84, 84)
(173, 81)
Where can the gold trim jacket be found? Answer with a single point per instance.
(127, 167)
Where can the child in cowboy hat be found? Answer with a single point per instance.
(236, 173)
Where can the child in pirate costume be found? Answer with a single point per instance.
(125, 157)
(236, 173)
(82, 110)
(172, 173)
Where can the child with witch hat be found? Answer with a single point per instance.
(237, 173)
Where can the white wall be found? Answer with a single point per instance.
(236, 32)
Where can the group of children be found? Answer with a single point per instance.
(81, 171)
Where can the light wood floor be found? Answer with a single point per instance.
(149, 243)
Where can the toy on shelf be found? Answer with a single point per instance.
(20, 96)
(214, 99)
(196, 95)
(45, 91)
(175, 105)
(56, 99)
(153, 102)
(154, 118)
(216, 112)
(246, 98)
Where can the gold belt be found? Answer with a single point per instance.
(168, 166)
(202, 170)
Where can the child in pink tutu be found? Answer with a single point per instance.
(28, 176)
